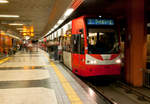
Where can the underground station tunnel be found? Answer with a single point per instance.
(74, 52)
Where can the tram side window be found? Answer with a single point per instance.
(82, 44)
(77, 44)
(64, 43)
(68, 44)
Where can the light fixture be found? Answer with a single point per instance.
(3, 1)
(32, 31)
(9, 16)
(55, 26)
(68, 12)
(60, 21)
(118, 61)
(49, 32)
(100, 16)
(52, 29)
(24, 31)
(19, 24)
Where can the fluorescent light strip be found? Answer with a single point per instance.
(9, 16)
(55, 26)
(68, 12)
(3, 1)
(16, 24)
(60, 21)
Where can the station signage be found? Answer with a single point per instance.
(109, 22)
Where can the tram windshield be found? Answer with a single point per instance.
(102, 41)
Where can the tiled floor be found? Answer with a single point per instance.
(27, 96)
(34, 79)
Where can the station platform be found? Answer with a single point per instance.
(35, 79)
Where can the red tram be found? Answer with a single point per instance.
(91, 46)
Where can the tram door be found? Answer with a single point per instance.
(77, 42)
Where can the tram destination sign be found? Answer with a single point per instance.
(109, 22)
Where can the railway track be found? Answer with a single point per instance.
(132, 90)
(101, 93)
(116, 92)
(120, 93)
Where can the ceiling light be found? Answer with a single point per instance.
(52, 29)
(9, 16)
(68, 12)
(3, 1)
(55, 26)
(49, 32)
(19, 24)
(60, 21)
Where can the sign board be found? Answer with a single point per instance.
(107, 22)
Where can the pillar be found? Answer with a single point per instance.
(135, 46)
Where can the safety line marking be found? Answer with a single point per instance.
(4, 60)
(72, 95)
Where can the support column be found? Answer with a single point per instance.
(135, 47)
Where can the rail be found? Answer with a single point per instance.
(108, 100)
(130, 89)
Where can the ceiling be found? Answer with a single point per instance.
(109, 8)
(42, 14)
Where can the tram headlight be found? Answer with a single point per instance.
(118, 61)
(93, 62)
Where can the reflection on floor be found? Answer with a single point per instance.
(31, 79)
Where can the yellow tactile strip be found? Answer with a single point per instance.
(73, 97)
(4, 60)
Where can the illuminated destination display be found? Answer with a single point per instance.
(100, 22)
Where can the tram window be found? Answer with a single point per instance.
(66, 42)
(77, 42)
(82, 43)
(102, 41)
